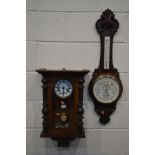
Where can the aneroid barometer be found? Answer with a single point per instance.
(63, 104)
(105, 87)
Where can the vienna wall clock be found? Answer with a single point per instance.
(105, 88)
(62, 105)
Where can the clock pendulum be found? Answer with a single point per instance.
(105, 87)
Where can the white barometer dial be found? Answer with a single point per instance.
(106, 89)
(63, 88)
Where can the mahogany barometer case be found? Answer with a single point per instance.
(105, 88)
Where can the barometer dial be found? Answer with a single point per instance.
(106, 89)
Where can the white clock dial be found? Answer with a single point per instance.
(106, 52)
(106, 89)
(63, 88)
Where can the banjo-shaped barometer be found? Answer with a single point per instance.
(105, 88)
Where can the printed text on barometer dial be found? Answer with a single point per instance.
(106, 90)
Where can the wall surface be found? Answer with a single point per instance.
(62, 34)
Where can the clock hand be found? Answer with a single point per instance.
(63, 90)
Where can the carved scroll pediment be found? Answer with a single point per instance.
(107, 24)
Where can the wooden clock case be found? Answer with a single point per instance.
(107, 25)
(74, 105)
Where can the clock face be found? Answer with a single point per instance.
(63, 88)
(106, 89)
